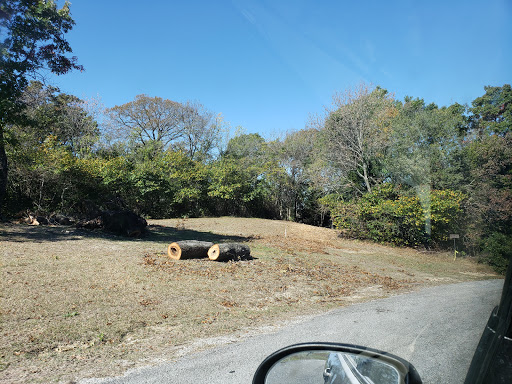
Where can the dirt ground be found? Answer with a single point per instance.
(78, 303)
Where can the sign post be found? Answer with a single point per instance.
(454, 236)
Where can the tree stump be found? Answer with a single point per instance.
(188, 249)
(229, 251)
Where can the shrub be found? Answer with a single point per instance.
(497, 251)
(391, 214)
(49, 178)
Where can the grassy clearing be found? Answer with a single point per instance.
(77, 304)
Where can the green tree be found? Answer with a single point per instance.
(34, 40)
(424, 150)
(489, 208)
(239, 179)
(236, 188)
(162, 184)
(48, 112)
(489, 157)
(492, 112)
(489, 161)
(48, 177)
(423, 140)
(55, 127)
(295, 155)
(246, 146)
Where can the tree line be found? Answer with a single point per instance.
(374, 167)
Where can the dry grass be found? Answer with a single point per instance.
(77, 304)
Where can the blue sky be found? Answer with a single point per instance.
(267, 65)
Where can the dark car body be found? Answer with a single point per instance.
(492, 361)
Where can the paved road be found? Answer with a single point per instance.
(436, 329)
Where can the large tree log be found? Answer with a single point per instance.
(188, 249)
(229, 251)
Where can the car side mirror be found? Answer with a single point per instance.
(330, 363)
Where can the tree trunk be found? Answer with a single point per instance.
(188, 249)
(366, 178)
(229, 251)
(3, 170)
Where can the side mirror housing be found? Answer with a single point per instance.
(331, 363)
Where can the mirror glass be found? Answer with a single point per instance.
(331, 367)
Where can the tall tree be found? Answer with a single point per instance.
(201, 130)
(149, 119)
(295, 155)
(50, 112)
(492, 112)
(34, 41)
(246, 146)
(243, 177)
(425, 144)
(425, 148)
(355, 133)
(489, 184)
(162, 123)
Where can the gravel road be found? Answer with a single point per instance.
(436, 329)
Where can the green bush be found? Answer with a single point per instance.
(167, 184)
(49, 178)
(497, 251)
(391, 214)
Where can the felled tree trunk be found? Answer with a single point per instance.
(188, 249)
(229, 251)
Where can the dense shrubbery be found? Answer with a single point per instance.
(395, 215)
(49, 178)
(497, 251)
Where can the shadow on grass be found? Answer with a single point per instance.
(154, 233)
(162, 234)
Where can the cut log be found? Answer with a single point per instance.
(229, 251)
(188, 249)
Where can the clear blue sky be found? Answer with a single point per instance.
(266, 65)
